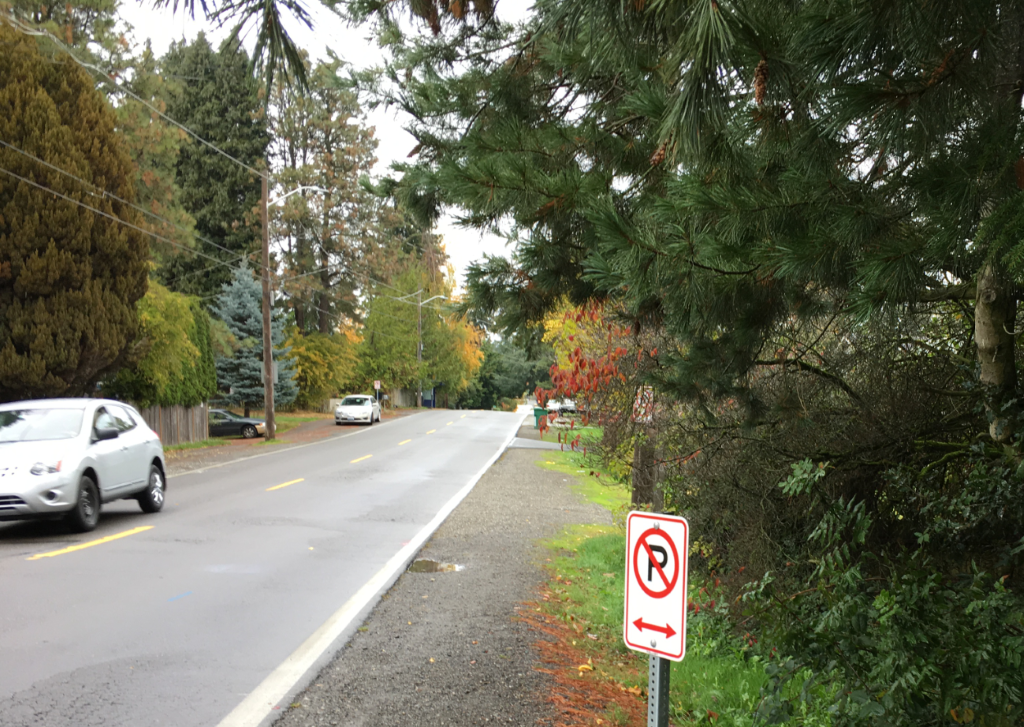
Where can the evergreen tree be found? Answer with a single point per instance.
(215, 98)
(69, 276)
(319, 141)
(721, 167)
(154, 146)
(91, 28)
(507, 372)
(240, 376)
(813, 210)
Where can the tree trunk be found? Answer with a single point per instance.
(246, 410)
(326, 319)
(995, 311)
(645, 477)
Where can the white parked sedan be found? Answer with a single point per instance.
(354, 409)
(64, 458)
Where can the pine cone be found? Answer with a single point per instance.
(760, 81)
(659, 155)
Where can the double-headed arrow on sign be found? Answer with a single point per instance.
(666, 629)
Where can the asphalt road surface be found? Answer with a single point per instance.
(178, 623)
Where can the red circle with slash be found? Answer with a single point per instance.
(641, 543)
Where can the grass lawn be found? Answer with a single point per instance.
(196, 445)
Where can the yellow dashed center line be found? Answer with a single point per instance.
(293, 482)
(431, 431)
(361, 459)
(83, 546)
(405, 442)
(462, 417)
(449, 424)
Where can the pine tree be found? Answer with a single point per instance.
(719, 168)
(815, 210)
(215, 98)
(320, 141)
(241, 376)
(69, 276)
(154, 146)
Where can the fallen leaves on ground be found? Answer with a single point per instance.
(579, 695)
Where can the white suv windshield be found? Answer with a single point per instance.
(355, 401)
(34, 425)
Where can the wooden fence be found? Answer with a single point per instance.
(178, 424)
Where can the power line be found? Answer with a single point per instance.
(223, 263)
(115, 218)
(37, 32)
(106, 193)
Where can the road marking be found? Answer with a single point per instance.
(91, 543)
(462, 417)
(361, 459)
(449, 424)
(265, 699)
(293, 482)
(431, 431)
(280, 449)
(405, 442)
(181, 595)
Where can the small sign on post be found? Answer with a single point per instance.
(657, 547)
(643, 405)
(376, 388)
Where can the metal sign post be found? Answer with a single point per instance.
(657, 691)
(657, 547)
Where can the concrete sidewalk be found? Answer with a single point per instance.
(446, 647)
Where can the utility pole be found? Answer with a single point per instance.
(268, 343)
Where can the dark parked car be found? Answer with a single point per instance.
(225, 424)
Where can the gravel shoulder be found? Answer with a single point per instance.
(447, 648)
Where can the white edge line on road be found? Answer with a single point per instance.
(260, 703)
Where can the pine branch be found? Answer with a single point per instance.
(965, 291)
(804, 366)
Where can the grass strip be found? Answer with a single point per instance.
(202, 444)
(581, 609)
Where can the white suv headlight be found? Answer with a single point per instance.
(41, 468)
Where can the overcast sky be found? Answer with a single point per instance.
(354, 45)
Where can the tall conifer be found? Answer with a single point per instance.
(215, 98)
(240, 375)
(69, 276)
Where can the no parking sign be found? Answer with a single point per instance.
(656, 560)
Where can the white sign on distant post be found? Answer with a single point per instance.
(657, 547)
(376, 384)
(643, 405)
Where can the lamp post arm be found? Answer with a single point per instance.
(297, 189)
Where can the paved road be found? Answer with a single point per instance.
(175, 625)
